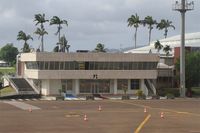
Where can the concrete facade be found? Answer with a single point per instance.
(51, 79)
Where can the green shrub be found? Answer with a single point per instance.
(170, 96)
(165, 91)
(139, 93)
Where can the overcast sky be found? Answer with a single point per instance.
(90, 21)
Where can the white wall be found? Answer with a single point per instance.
(45, 87)
(55, 85)
(51, 87)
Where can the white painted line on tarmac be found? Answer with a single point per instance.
(22, 105)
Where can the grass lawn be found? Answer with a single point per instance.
(7, 70)
(7, 90)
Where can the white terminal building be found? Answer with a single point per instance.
(88, 73)
(166, 67)
(50, 73)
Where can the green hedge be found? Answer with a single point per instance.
(196, 91)
(167, 91)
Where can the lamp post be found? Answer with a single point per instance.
(183, 7)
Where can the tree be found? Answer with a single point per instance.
(8, 53)
(64, 44)
(192, 72)
(41, 33)
(100, 48)
(150, 22)
(165, 24)
(134, 21)
(167, 49)
(158, 46)
(56, 49)
(40, 19)
(57, 21)
(22, 36)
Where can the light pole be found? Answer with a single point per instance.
(183, 7)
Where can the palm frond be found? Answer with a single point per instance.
(65, 22)
(55, 20)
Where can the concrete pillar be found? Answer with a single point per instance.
(129, 84)
(45, 87)
(76, 86)
(115, 86)
(143, 87)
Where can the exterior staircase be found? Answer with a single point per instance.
(22, 87)
(150, 87)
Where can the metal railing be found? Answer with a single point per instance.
(31, 83)
(11, 83)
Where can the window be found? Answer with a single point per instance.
(46, 64)
(61, 65)
(52, 67)
(91, 65)
(41, 65)
(122, 83)
(134, 65)
(81, 65)
(86, 66)
(56, 65)
(140, 66)
(74, 65)
(126, 66)
(66, 65)
(135, 84)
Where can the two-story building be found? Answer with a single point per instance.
(85, 73)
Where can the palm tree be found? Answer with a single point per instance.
(167, 49)
(40, 19)
(158, 46)
(64, 44)
(134, 21)
(165, 24)
(41, 33)
(100, 48)
(22, 36)
(57, 21)
(56, 49)
(150, 22)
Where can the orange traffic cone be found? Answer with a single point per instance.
(85, 118)
(99, 108)
(30, 109)
(161, 115)
(145, 110)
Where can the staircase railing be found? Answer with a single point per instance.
(152, 86)
(150, 91)
(11, 83)
(35, 88)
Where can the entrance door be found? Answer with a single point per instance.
(94, 87)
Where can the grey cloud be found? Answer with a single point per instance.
(90, 21)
